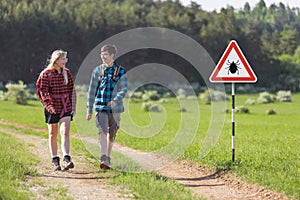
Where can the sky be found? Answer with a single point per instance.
(210, 5)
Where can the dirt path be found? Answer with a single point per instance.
(201, 181)
(82, 182)
(87, 183)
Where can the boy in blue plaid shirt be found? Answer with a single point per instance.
(108, 87)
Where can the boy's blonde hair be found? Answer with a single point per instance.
(110, 48)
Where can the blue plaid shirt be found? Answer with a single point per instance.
(106, 89)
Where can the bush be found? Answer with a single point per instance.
(181, 93)
(250, 102)
(81, 90)
(150, 107)
(150, 95)
(168, 95)
(135, 95)
(154, 108)
(182, 110)
(191, 97)
(145, 97)
(271, 111)
(213, 95)
(205, 96)
(284, 96)
(3, 96)
(146, 106)
(154, 97)
(180, 97)
(17, 92)
(246, 89)
(265, 97)
(163, 101)
(242, 110)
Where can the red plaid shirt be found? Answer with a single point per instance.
(54, 92)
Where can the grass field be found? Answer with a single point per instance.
(13, 168)
(267, 146)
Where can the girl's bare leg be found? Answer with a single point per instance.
(65, 135)
(53, 131)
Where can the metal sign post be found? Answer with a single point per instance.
(233, 67)
(232, 121)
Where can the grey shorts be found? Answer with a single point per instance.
(108, 123)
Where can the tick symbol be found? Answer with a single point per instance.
(233, 67)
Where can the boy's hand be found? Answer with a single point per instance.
(111, 104)
(88, 116)
(73, 113)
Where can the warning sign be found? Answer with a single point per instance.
(233, 67)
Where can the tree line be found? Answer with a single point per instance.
(31, 29)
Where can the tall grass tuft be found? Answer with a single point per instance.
(15, 164)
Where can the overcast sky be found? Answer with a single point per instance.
(210, 5)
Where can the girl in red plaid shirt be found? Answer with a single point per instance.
(55, 88)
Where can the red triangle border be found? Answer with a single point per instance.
(233, 45)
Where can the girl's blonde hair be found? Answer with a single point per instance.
(54, 56)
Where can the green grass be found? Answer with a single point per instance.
(31, 114)
(267, 146)
(152, 186)
(15, 165)
(25, 131)
(157, 187)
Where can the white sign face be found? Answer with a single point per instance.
(233, 66)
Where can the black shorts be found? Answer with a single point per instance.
(54, 118)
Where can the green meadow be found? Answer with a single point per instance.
(17, 164)
(266, 146)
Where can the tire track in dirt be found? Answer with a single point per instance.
(194, 176)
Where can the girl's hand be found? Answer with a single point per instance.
(52, 110)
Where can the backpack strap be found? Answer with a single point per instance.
(116, 72)
(101, 77)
